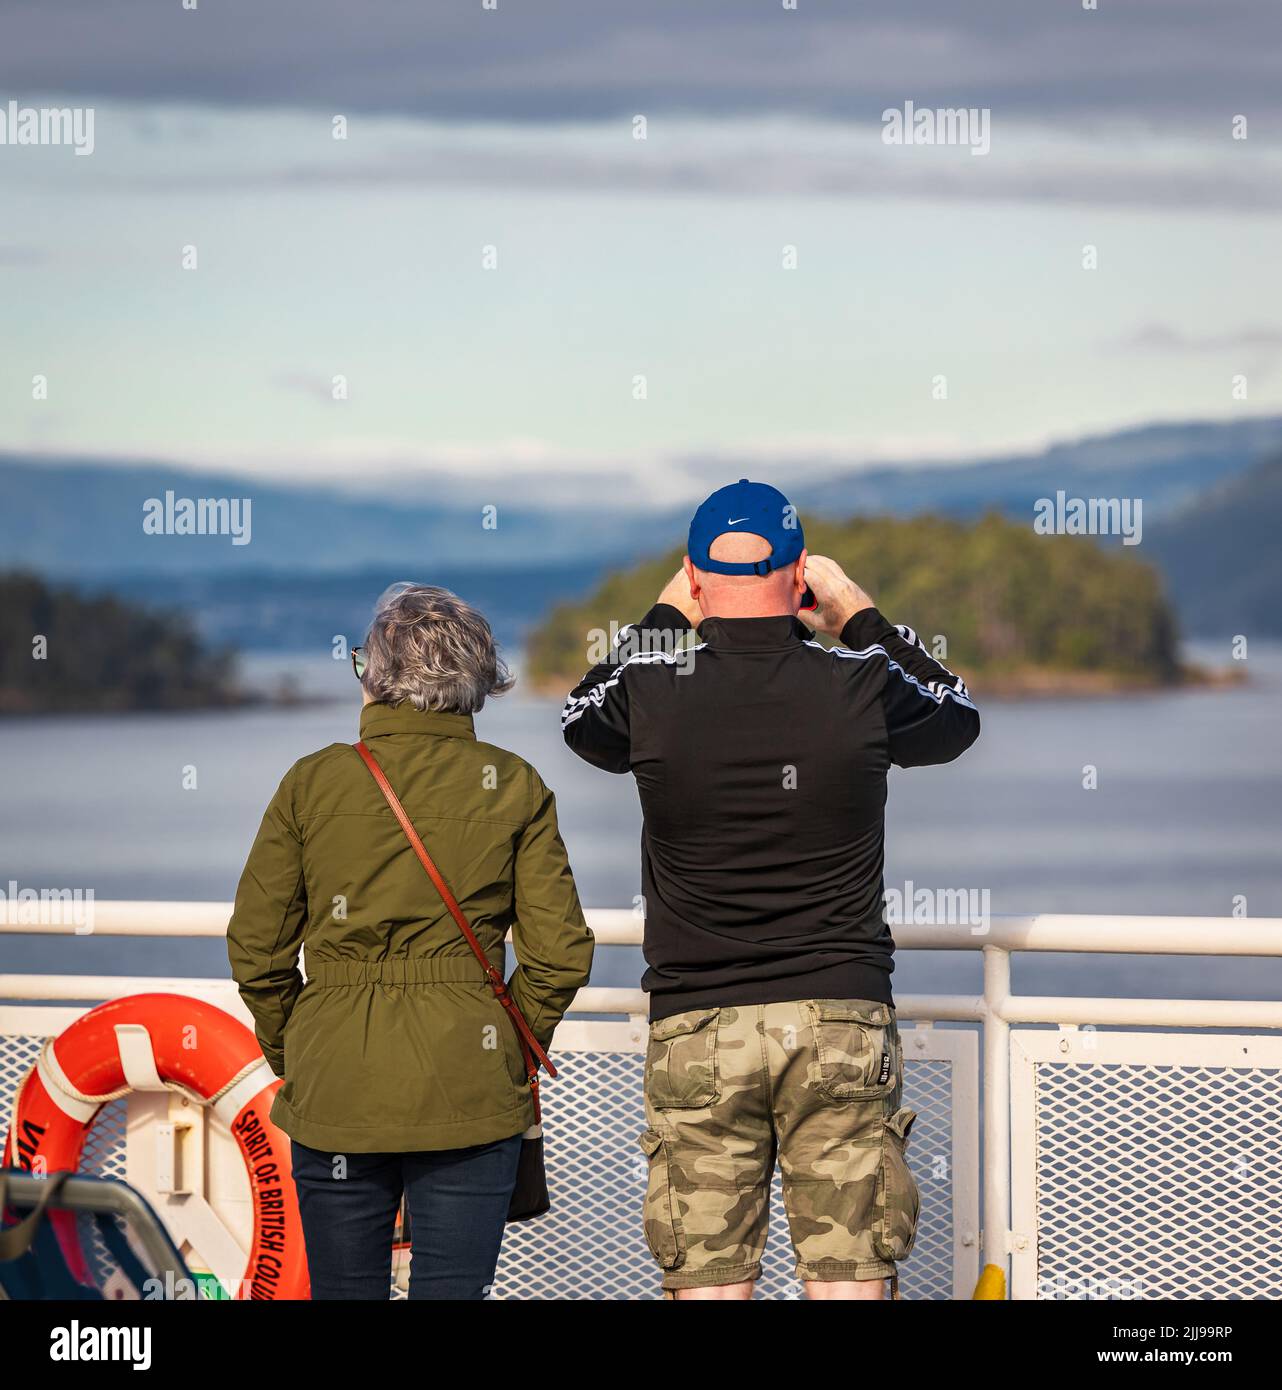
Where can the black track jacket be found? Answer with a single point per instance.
(761, 761)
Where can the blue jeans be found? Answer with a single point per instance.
(457, 1201)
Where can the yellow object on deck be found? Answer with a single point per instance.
(992, 1283)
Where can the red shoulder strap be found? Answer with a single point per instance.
(530, 1048)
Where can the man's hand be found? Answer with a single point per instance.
(838, 597)
(677, 592)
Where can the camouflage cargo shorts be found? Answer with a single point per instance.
(816, 1083)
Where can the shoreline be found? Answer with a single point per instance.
(1041, 683)
(249, 700)
(1033, 683)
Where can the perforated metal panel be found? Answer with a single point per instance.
(590, 1245)
(104, 1151)
(103, 1157)
(1146, 1166)
(17, 1056)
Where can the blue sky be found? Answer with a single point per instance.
(619, 257)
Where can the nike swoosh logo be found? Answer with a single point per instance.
(734, 521)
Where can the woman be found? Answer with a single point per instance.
(403, 1075)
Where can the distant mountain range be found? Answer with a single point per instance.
(78, 519)
(1222, 556)
(1165, 465)
(306, 611)
(316, 556)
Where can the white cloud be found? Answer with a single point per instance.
(1124, 163)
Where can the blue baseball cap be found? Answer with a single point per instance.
(757, 508)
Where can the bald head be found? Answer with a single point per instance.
(746, 595)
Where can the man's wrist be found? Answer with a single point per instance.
(864, 627)
(852, 613)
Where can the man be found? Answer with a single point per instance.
(761, 760)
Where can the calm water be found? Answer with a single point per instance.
(1187, 816)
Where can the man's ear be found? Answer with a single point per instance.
(692, 576)
(799, 581)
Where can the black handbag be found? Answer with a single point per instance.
(530, 1196)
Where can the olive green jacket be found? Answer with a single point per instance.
(395, 1042)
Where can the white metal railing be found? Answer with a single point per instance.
(995, 1009)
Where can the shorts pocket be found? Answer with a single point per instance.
(681, 1061)
(856, 1047)
(898, 1200)
(663, 1230)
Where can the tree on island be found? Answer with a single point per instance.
(61, 650)
(1013, 609)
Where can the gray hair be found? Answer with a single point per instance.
(426, 646)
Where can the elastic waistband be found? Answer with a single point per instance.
(430, 970)
(846, 980)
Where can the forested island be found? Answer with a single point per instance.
(62, 651)
(1020, 613)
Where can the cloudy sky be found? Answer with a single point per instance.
(790, 286)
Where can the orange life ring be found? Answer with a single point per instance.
(150, 1041)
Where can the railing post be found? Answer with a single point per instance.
(996, 1200)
